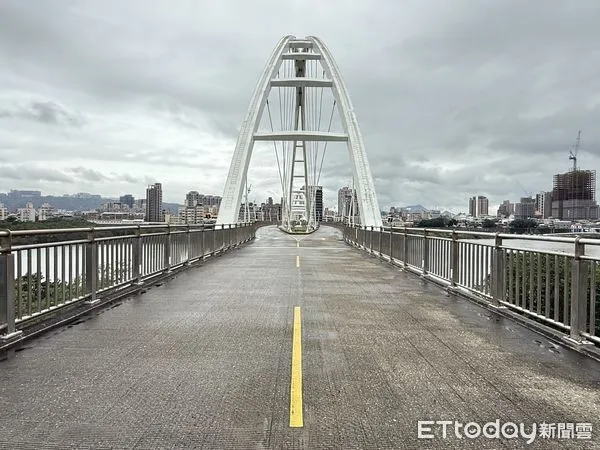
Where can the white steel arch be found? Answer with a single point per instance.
(300, 51)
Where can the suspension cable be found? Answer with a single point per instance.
(325, 147)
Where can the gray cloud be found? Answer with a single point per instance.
(88, 174)
(46, 112)
(31, 174)
(454, 98)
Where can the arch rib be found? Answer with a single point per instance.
(370, 214)
(232, 193)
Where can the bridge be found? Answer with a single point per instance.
(305, 98)
(242, 335)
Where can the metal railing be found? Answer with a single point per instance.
(44, 270)
(551, 280)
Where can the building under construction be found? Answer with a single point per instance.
(574, 195)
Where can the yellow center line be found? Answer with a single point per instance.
(297, 261)
(296, 418)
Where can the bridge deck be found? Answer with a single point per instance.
(203, 361)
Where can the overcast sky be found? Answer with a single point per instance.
(454, 98)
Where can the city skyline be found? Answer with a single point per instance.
(444, 114)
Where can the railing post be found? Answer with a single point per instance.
(91, 266)
(405, 245)
(380, 239)
(8, 331)
(371, 240)
(425, 253)
(214, 237)
(202, 243)
(498, 273)
(454, 260)
(391, 244)
(229, 233)
(364, 237)
(137, 256)
(579, 283)
(167, 250)
(188, 236)
(223, 238)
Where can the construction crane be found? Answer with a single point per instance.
(527, 193)
(573, 153)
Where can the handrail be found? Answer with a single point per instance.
(558, 286)
(37, 278)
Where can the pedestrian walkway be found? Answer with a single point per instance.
(205, 361)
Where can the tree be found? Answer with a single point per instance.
(488, 223)
(523, 225)
(438, 222)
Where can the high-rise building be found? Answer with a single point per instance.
(128, 200)
(319, 203)
(315, 194)
(27, 214)
(139, 205)
(270, 211)
(193, 210)
(192, 199)
(506, 209)
(209, 200)
(154, 209)
(348, 203)
(478, 206)
(45, 212)
(525, 209)
(342, 195)
(482, 205)
(543, 204)
(574, 195)
(473, 206)
(3, 212)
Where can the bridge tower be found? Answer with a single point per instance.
(300, 71)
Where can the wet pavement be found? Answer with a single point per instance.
(205, 361)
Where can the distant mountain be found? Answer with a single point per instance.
(415, 208)
(65, 202)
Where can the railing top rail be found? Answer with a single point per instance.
(544, 238)
(491, 235)
(52, 231)
(589, 241)
(68, 235)
(15, 248)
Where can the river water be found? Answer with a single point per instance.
(541, 246)
(74, 259)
